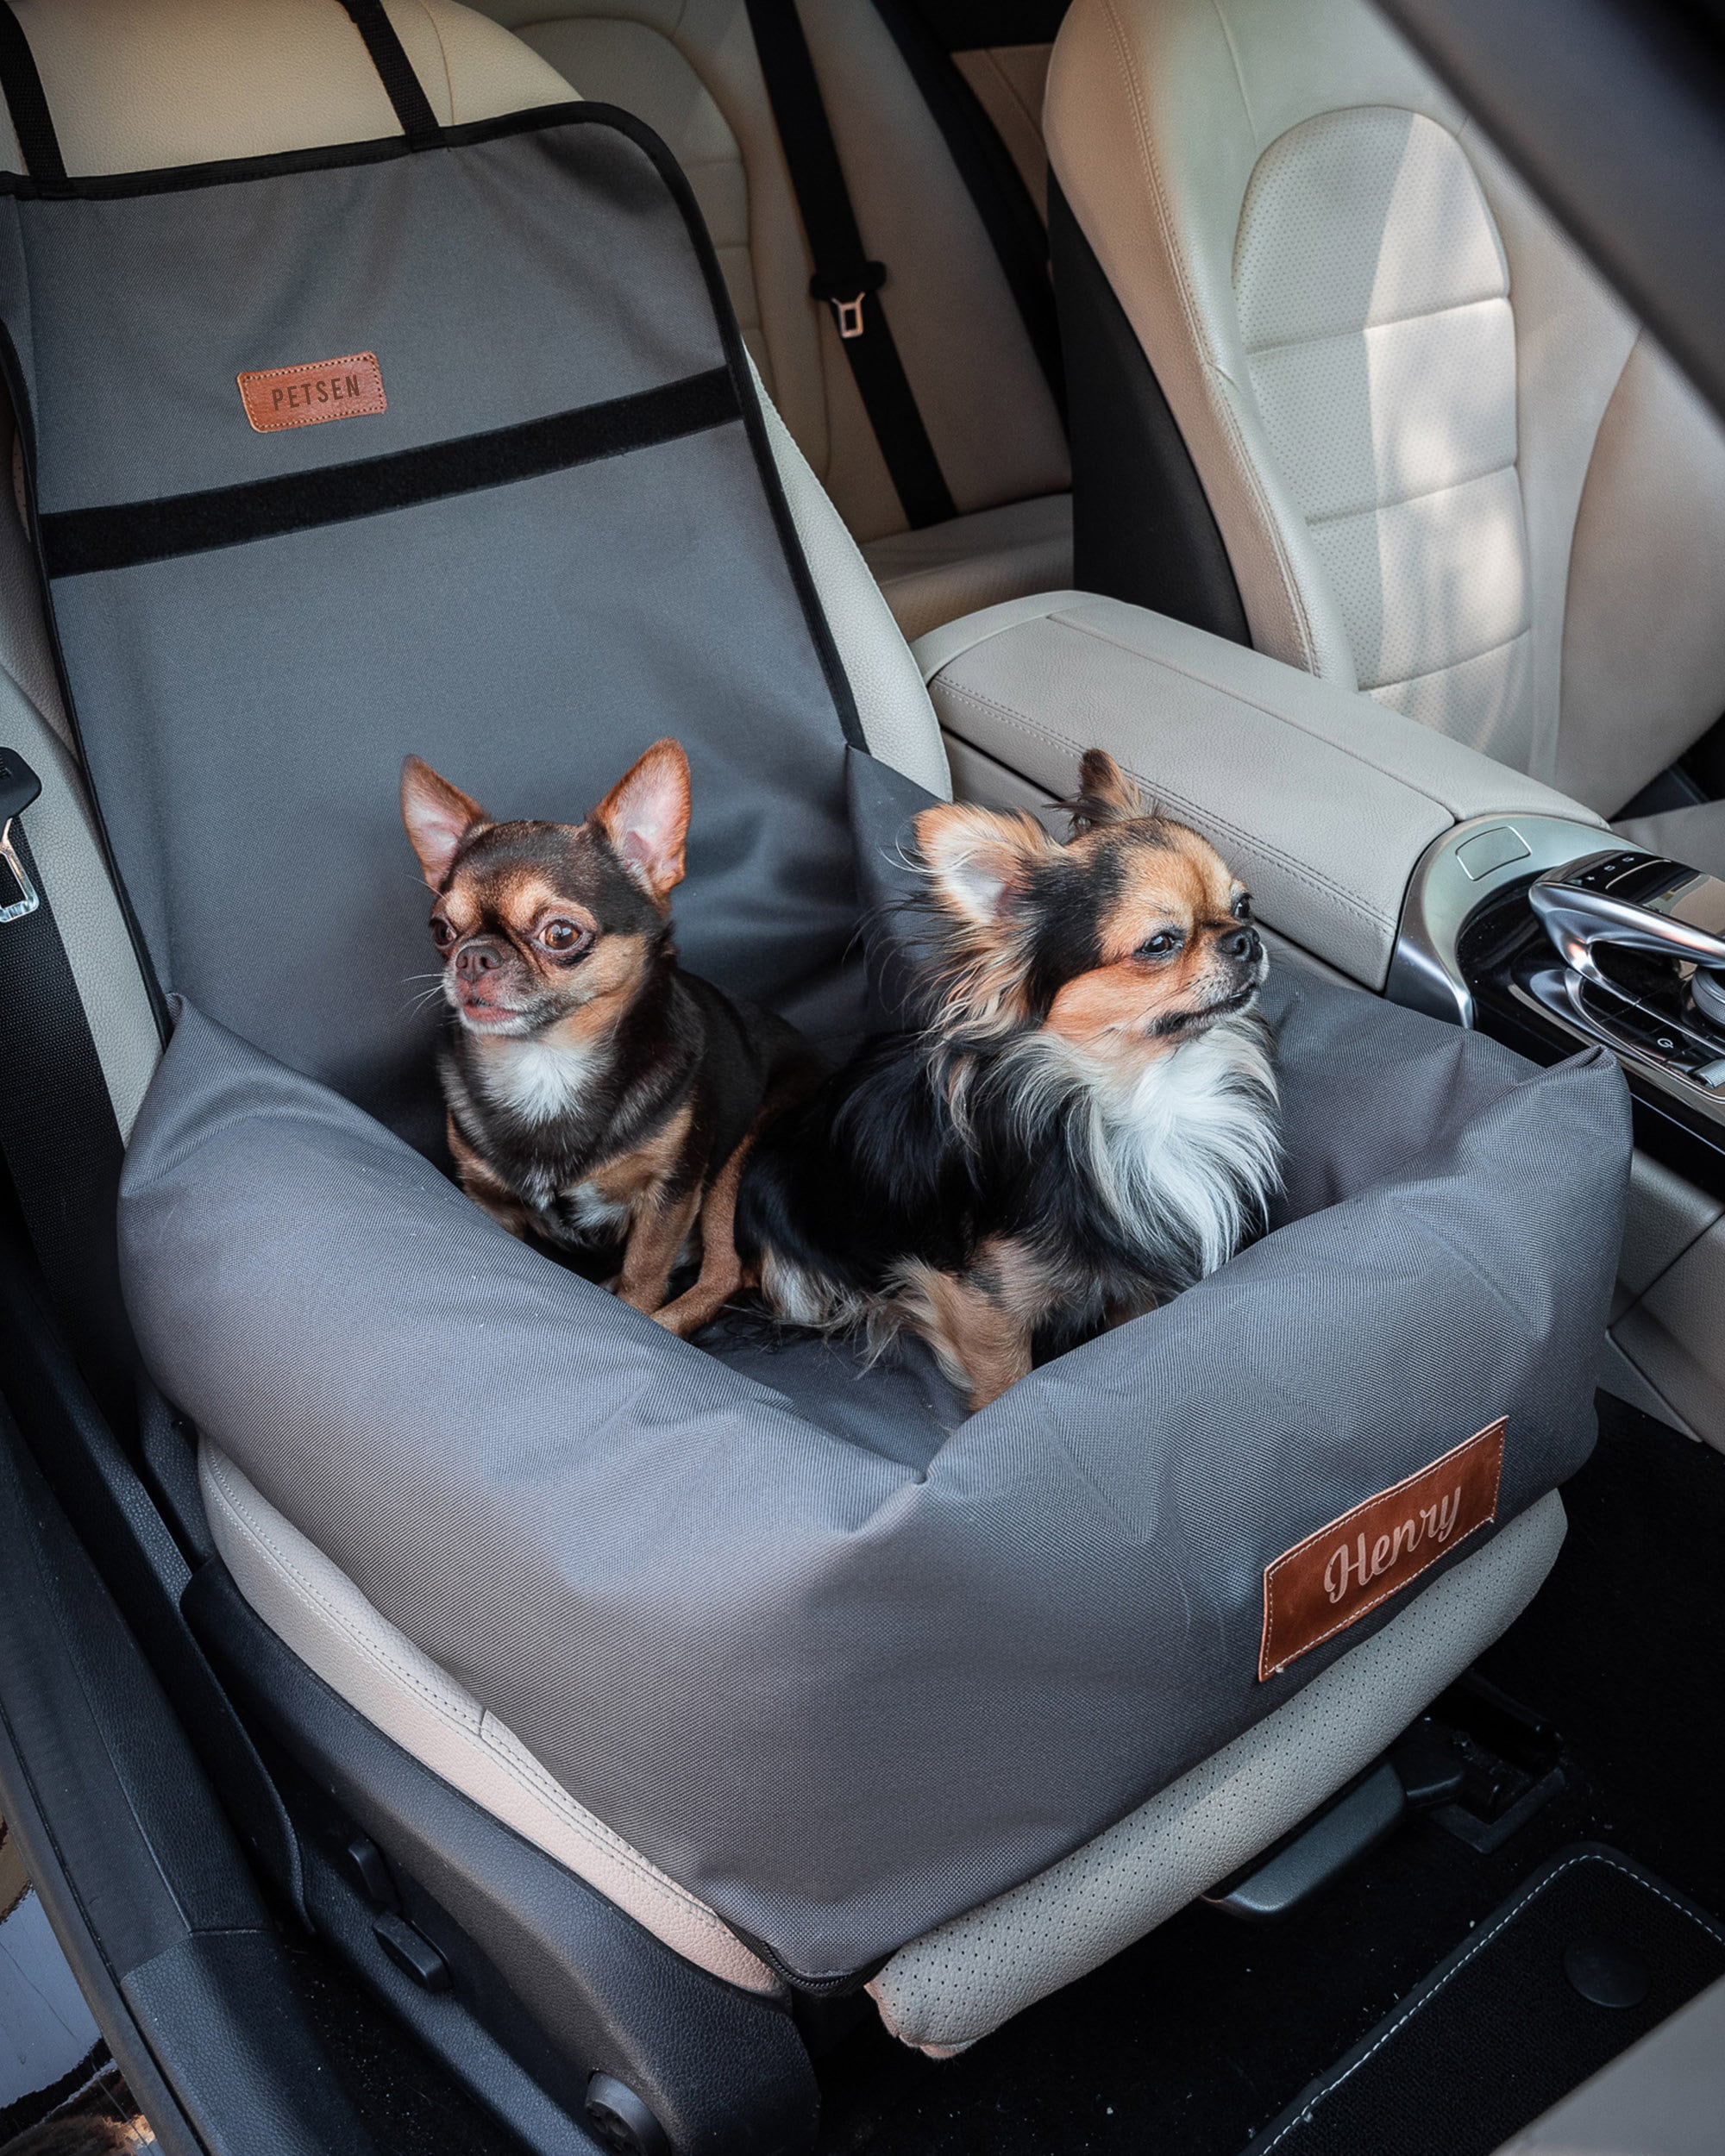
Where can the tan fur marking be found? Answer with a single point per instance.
(634, 1179)
(1184, 887)
(721, 1272)
(482, 1186)
(656, 1237)
(979, 1324)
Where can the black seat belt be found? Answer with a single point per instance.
(1010, 217)
(844, 276)
(58, 1130)
(27, 102)
(401, 86)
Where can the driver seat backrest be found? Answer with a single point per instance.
(1445, 465)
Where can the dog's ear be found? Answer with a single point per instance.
(438, 817)
(646, 817)
(979, 861)
(1106, 794)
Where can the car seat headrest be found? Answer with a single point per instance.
(143, 85)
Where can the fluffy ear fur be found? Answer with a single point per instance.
(979, 860)
(1106, 794)
(646, 817)
(438, 817)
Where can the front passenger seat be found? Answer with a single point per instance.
(1431, 456)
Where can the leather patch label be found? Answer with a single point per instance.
(348, 388)
(1330, 1581)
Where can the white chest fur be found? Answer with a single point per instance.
(1192, 1142)
(1185, 1144)
(539, 1080)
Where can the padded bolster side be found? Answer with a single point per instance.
(313, 1607)
(1322, 801)
(957, 1984)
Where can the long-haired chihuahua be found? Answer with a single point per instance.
(1085, 1124)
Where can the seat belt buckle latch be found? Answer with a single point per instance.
(846, 295)
(19, 786)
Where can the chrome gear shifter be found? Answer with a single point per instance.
(1643, 945)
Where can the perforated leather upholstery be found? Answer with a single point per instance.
(688, 67)
(1434, 444)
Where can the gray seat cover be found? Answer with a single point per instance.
(840, 1687)
(564, 537)
(841, 1662)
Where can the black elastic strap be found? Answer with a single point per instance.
(61, 1143)
(82, 541)
(389, 56)
(27, 102)
(844, 276)
(993, 181)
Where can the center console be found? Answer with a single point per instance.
(1560, 944)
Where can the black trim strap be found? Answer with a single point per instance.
(79, 542)
(402, 87)
(58, 1131)
(844, 276)
(22, 85)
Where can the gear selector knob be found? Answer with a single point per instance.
(1634, 901)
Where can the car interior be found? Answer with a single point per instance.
(441, 1710)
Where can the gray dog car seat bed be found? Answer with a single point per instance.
(448, 443)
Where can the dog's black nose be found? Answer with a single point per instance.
(1241, 943)
(477, 957)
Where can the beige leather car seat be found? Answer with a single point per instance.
(1446, 464)
(134, 84)
(688, 68)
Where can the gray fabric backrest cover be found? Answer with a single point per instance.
(563, 537)
(845, 1671)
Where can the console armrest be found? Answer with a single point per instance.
(1320, 800)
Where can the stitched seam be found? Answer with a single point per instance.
(593, 1829)
(1477, 1947)
(1448, 667)
(1393, 1587)
(1421, 494)
(443, 60)
(1294, 868)
(1222, 409)
(1365, 1504)
(1082, 628)
(1226, 28)
(1366, 328)
(1365, 1608)
(311, 1594)
(359, 410)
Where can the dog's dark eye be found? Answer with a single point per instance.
(1241, 908)
(1162, 944)
(441, 934)
(564, 935)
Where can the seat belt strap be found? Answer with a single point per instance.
(844, 275)
(22, 85)
(389, 56)
(57, 1133)
(996, 187)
